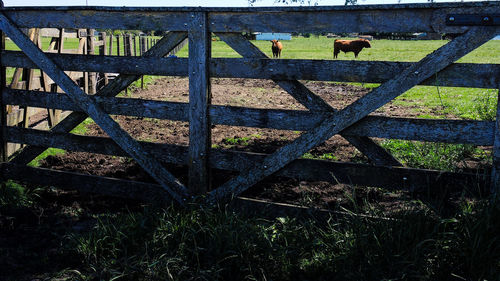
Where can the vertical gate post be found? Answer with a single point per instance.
(110, 52)
(103, 51)
(3, 108)
(199, 101)
(495, 169)
(91, 51)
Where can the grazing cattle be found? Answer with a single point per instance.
(276, 48)
(354, 46)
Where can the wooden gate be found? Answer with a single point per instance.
(476, 23)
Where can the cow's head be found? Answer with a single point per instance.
(365, 43)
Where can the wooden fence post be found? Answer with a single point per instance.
(3, 107)
(495, 169)
(103, 51)
(118, 45)
(144, 49)
(199, 101)
(91, 51)
(135, 45)
(110, 52)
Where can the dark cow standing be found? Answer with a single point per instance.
(354, 46)
(276, 48)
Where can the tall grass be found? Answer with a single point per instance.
(220, 245)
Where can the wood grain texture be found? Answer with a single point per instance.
(144, 158)
(431, 64)
(378, 18)
(170, 41)
(199, 102)
(433, 130)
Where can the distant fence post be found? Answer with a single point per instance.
(118, 44)
(91, 51)
(135, 45)
(3, 107)
(199, 101)
(110, 52)
(103, 51)
(495, 170)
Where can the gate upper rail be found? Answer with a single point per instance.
(363, 18)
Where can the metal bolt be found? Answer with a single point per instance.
(486, 19)
(451, 18)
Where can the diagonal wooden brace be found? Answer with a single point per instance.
(302, 94)
(163, 47)
(87, 104)
(432, 63)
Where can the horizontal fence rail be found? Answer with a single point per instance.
(376, 18)
(356, 123)
(457, 75)
(447, 131)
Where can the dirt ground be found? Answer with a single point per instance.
(248, 93)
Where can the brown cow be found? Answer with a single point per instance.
(276, 48)
(354, 46)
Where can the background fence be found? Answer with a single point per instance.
(474, 24)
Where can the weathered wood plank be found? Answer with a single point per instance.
(3, 107)
(199, 102)
(354, 112)
(144, 158)
(346, 21)
(301, 169)
(434, 130)
(380, 18)
(302, 94)
(455, 75)
(495, 169)
(170, 41)
(105, 19)
(92, 80)
(87, 183)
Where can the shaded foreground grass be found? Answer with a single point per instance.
(221, 245)
(127, 241)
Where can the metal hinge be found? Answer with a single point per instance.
(476, 19)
